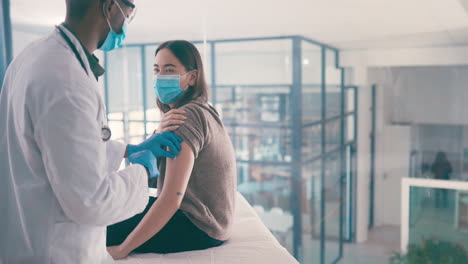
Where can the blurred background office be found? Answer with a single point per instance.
(330, 105)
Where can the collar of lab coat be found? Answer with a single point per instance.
(84, 58)
(96, 68)
(79, 48)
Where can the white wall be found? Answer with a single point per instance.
(412, 95)
(392, 164)
(433, 80)
(428, 95)
(393, 145)
(363, 155)
(416, 95)
(430, 56)
(392, 154)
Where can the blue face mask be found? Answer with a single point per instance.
(113, 40)
(167, 88)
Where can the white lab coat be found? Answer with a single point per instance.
(59, 184)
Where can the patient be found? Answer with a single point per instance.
(196, 191)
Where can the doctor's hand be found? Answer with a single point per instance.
(117, 252)
(171, 121)
(157, 144)
(147, 160)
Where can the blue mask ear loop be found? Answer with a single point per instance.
(123, 14)
(180, 76)
(186, 74)
(183, 76)
(107, 19)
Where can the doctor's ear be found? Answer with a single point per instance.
(193, 77)
(107, 5)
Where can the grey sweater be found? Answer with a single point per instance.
(210, 196)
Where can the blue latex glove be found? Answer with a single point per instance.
(157, 143)
(147, 160)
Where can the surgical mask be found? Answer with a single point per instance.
(114, 40)
(167, 88)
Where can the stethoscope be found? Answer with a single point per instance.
(106, 133)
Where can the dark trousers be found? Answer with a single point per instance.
(178, 235)
(441, 198)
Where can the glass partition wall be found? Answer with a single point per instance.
(291, 121)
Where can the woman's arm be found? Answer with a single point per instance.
(178, 172)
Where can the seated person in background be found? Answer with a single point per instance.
(195, 206)
(441, 168)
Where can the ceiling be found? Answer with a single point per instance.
(357, 24)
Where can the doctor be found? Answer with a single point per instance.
(60, 185)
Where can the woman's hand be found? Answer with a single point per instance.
(117, 252)
(171, 121)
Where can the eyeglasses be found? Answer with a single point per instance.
(130, 17)
(130, 4)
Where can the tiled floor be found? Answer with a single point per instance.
(382, 242)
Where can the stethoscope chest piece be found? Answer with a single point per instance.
(105, 133)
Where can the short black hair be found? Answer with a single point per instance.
(79, 8)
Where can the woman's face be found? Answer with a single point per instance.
(165, 63)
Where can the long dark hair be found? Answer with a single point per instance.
(189, 56)
(441, 157)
